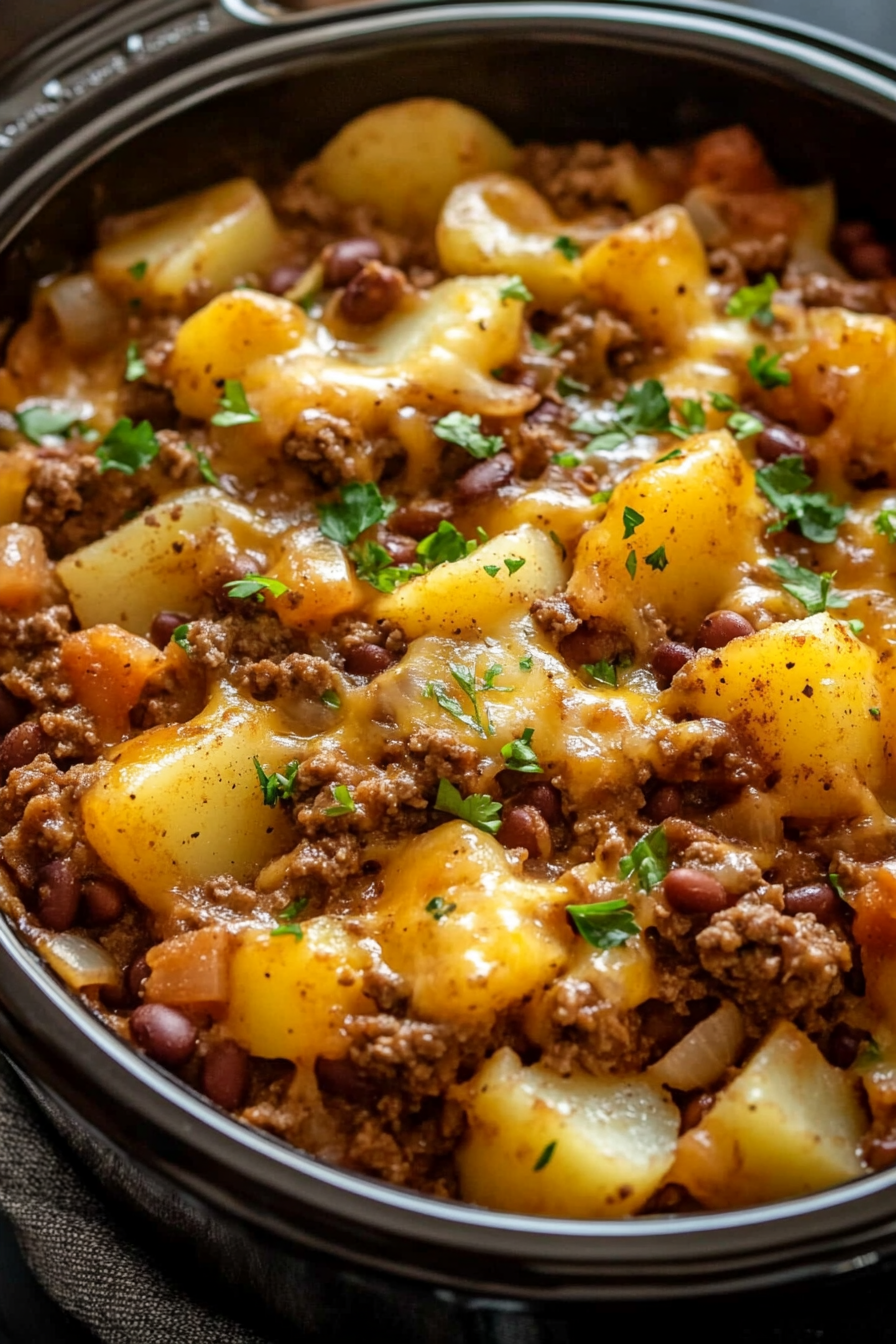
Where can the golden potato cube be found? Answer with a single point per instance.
(789, 1124)
(289, 996)
(404, 158)
(15, 478)
(320, 579)
(576, 1147)
(193, 247)
(26, 576)
(800, 694)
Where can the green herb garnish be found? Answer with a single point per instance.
(128, 448)
(276, 788)
(472, 688)
(360, 506)
(376, 567)
(743, 425)
(134, 366)
(515, 289)
(331, 699)
(465, 432)
(632, 520)
(631, 564)
(525, 664)
(179, 637)
(567, 386)
(255, 585)
(764, 369)
(546, 1154)
(885, 524)
(648, 860)
(343, 803)
(445, 545)
(286, 920)
(604, 924)
(787, 485)
(520, 755)
(815, 591)
(834, 879)
(138, 270)
(438, 907)
(603, 671)
(542, 344)
(693, 419)
(657, 559)
(567, 247)
(753, 302)
(235, 409)
(40, 422)
(479, 809)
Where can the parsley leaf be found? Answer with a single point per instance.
(547, 1153)
(604, 924)
(667, 457)
(472, 688)
(558, 543)
(513, 563)
(520, 754)
(255, 585)
(376, 567)
(343, 801)
(786, 484)
(526, 664)
(276, 788)
(138, 270)
(764, 368)
(206, 470)
(542, 344)
(360, 506)
(479, 809)
(491, 570)
(648, 861)
(815, 591)
(753, 302)
(721, 401)
(179, 637)
(567, 247)
(658, 559)
(465, 432)
(446, 544)
(632, 520)
(643, 410)
(286, 920)
(693, 417)
(235, 409)
(604, 671)
(127, 447)
(331, 699)
(856, 627)
(874, 711)
(438, 907)
(515, 289)
(134, 366)
(604, 496)
(743, 425)
(631, 564)
(566, 386)
(834, 879)
(41, 422)
(885, 524)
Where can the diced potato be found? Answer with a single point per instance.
(404, 158)
(182, 804)
(799, 693)
(702, 508)
(192, 968)
(154, 560)
(654, 273)
(463, 598)
(491, 939)
(26, 576)
(107, 668)
(576, 1147)
(561, 509)
(193, 247)
(788, 1125)
(223, 339)
(15, 478)
(289, 997)
(320, 579)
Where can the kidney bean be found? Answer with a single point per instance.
(282, 278)
(340, 1078)
(225, 1074)
(545, 412)
(418, 520)
(367, 660)
(690, 891)
(844, 1044)
(525, 828)
(485, 479)
(371, 293)
(343, 260)
(103, 900)
(669, 658)
(665, 803)
(777, 441)
(818, 899)
(544, 798)
(164, 625)
(720, 627)
(403, 550)
(11, 711)
(853, 231)
(20, 746)
(166, 1034)
(696, 1109)
(870, 260)
(136, 976)
(58, 895)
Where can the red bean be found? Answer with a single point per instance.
(853, 231)
(690, 891)
(525, 828)
(282, 278)
(870, 260)
(720, 627)
(818, 899)
(778, 441)
(136, 976)
(669, 658)
(166, 1034)
(58, 895)
(372, 293)
(367, 660)
(403, 550)
(485, 479)
(844, 1044)
(665, 803)
(696, 1109)
(11, 711)
(544, 798)
(420, 519)
(20, 746)
(340, 1078)
(164, 625)
(103, 900)
(343, 260)
(225, 1074)
(545, 412)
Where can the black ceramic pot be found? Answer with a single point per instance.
(151, 98)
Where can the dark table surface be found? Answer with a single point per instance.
(831, 1314)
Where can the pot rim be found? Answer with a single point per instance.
(144, 1109)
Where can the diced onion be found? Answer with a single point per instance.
(705, 218)
(79, 961)
(704, 1054)
(89, 319)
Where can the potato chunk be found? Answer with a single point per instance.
(26, 575)
(404, 158)
(470, 936)
(107, 668)
(320, 579)
(182, 804)
(800, 694)
(289, 997)
(197, 245)
(576, 1147)
(788, 1125)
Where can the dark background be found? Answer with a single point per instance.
(857, 1308)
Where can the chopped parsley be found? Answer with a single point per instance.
(721, 401)
(331, 699)
(869, 1055)
(179, 637)
(438, 907)
(492, 570)
(648, 861)
(479, 809)
(658, 559)
(632, 520)
(376, 566)
(138, 270)
(516, 289)
(834, 879)
(604, 924)
(787, 486)
(763, 367)
(513, 563)
(603, 671)
(856, 627)
(643, 410)
(693, 419)
(542, 344)
(206, 470)
(885, 524)
(667, 457)
(360, 505)
(286, 920)
(343, 802)
(815, 591)
(41, 422)
(743, 425)
(631, 564)
(128, 447)
(472, 687)
(567, 386)
(520, 754)
(567, 247)
(464, 430)
(753, 302)
(874, 712)
(446, 544)
(235, 409)
(526, 664)
(276, 788)
(255, 585)
(134, 366)
(558, 543)
(604, 496)
(546, 1154)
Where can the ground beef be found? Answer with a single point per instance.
(331, 448)
(73, 503)
(597, 346)
(749, 259)
(591, 1033)
(828, 291)
(144, 401)
(298, 676)
(40, 819)
(576, 179)
(555, 616)
(250, 635)
(420, 1058)
(350, 633)
(24, 638)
